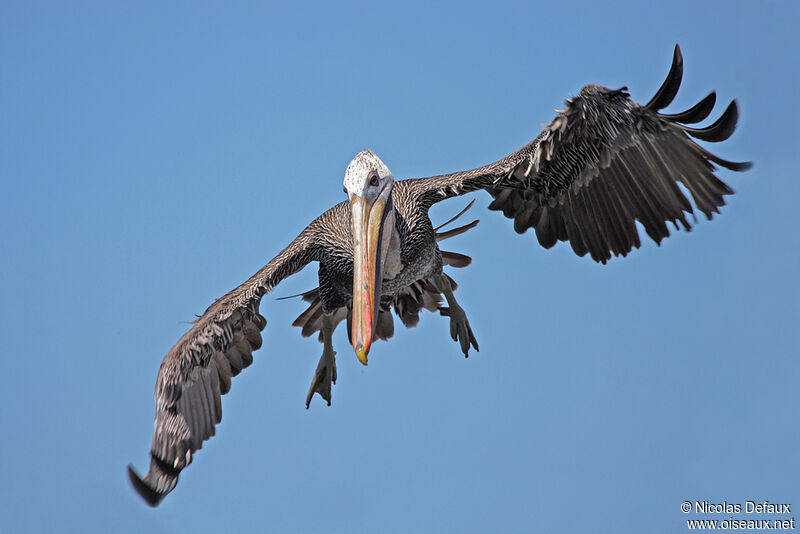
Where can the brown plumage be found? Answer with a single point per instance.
(602, 164)
(407, 303)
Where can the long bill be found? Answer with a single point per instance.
(367, 220)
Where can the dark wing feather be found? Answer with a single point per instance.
(602, 164)
(198, 369)
(696, 113)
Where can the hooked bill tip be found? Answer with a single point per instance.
(361, 352)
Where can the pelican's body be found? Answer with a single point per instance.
(412, 253)
(604, 163)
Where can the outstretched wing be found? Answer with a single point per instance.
(602, 164)
(198, 369)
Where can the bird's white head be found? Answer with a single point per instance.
(366, 175)
(368, 183)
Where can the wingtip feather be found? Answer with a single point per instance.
(150, 495)
(666, 93)
(722, 128)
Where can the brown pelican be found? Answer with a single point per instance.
(602, 164)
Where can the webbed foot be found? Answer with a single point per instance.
(324, 377)
(460, 329)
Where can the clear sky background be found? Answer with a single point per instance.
(155, 155)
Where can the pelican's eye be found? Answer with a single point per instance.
(373, 179)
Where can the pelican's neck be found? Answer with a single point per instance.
(390, 246)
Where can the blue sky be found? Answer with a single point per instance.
(153, 156)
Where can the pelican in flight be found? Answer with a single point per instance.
(602, 164)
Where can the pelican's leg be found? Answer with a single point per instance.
(325, 375)
(459, 325)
